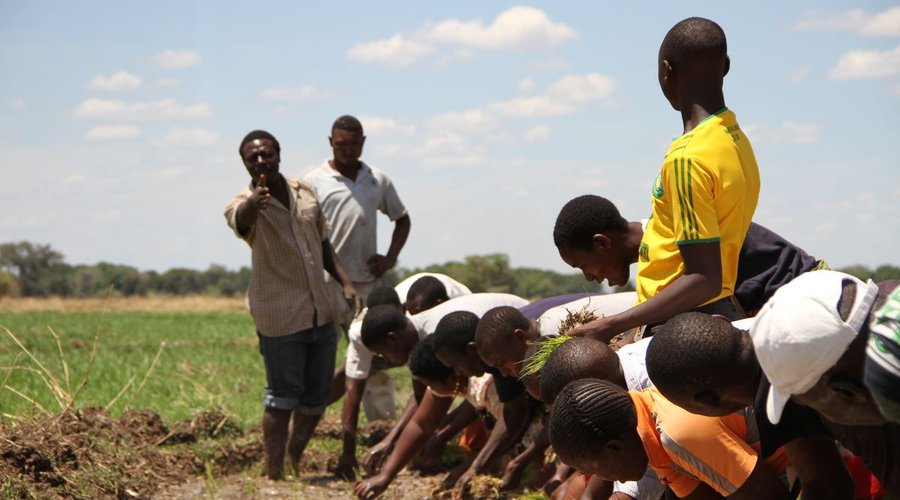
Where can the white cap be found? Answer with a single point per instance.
(799, 333)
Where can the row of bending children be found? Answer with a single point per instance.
(697, 406)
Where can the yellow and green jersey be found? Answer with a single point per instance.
(706, 191)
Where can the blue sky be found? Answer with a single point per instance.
(120, 121)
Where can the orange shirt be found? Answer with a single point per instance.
(686, 449)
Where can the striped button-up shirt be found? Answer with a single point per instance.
(287, 288)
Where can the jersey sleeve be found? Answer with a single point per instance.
(358, 362)
(694, 216)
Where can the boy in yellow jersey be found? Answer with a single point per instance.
(704, 196)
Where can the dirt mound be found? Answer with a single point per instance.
(86, 453)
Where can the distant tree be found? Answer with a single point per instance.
(886, 272)
(28, 263)
(181, 281)
(860, 271)
(9, 286)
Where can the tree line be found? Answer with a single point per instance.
(36, 270)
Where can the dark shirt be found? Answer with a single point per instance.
(508, 388)
(766, 262)
(877, 445)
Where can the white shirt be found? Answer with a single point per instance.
(601, 305)
(359, 358)
(634, 366)
(350, 208)
(454, 288)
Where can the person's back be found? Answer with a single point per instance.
(706, 191)
(708, 187)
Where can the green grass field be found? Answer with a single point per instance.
(208, 360)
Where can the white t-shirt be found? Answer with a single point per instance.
(601, 305)
(634, 366)
(359, 358)
(350, 208)
(454, 288)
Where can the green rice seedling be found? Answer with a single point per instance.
(546, 346)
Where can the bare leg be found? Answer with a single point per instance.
(301, 432)
(275, 429)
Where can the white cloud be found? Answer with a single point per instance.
(583, 88)
(165, 109)
(177, 59)
(465, 121)
(168, 82)
(378, 125)
(19, 103)
(556, 64)
(532, 106)
(787, 133)
(191, 137)
(292, 94)
(800, 74)
(563, 96)
(867, 64)
(526, 85)
(395, 52)
(120, 80)
(538, 133)
(885, 23)
(113, 132)
(895, 90)
(520, 28)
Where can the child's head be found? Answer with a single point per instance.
(383, 295)
(703, 364)
(693, 57)
(501, 339)
(593, 428)
(454, 343)
(588, 235)
(425, 293)
(426, 368)
(388, 333)
(578, 358)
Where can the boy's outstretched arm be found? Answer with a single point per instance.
(701, 281)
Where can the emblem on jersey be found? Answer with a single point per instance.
(644, 252)
(657, 190)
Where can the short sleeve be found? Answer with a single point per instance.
(694, 216)
(390, 201)
(358, 362)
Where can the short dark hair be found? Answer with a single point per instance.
(424, 364)
(577, 358)
(695, 352)
(497, 325)
(455, 330)
(348, 123)
(694, 41)
(258, 134)
(583, 217)
(429, 290)
(587, 414)
(379, 321)
(383, 295)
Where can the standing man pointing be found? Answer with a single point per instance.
(279, 218)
